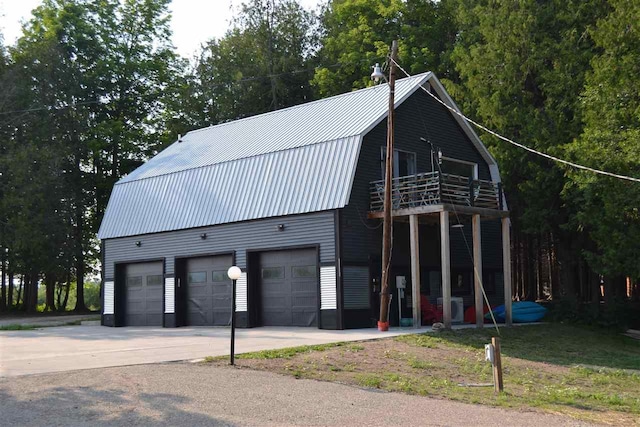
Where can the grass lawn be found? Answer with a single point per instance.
(588, 374)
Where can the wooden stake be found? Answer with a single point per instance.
(497, 365)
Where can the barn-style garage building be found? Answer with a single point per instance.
(292, 198)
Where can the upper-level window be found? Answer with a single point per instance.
(459, 167)
(404, 163)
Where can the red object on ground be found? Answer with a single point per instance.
(470, 314)
(430, 314)
(383, 326)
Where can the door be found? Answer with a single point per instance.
(289, 287)
(144, 294)
(208, 291)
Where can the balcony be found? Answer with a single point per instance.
(435, 191)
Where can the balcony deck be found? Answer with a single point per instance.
(433, 192)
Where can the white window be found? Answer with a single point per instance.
(404, 162)
(459, 167)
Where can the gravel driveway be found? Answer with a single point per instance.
(201, 395)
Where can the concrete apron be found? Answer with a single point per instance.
(72, 348)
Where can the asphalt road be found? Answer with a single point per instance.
(201, 395)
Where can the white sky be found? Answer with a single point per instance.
(193, 21)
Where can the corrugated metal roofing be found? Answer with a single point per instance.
(328, 119)
(296, 160)
(307, 179)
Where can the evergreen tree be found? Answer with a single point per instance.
(522, 64)
(608, 208)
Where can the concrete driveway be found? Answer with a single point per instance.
(71, 348)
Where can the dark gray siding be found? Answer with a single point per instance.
(300, 230)
(418, 117)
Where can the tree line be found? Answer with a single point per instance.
(93, 88)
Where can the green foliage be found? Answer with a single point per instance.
(91, 297)
(608, 209)
(617, 315)
(522, 64)
(258, 66)
(114, 92)
(357, 34)
(95, 70)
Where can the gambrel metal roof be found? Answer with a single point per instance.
(296, 160)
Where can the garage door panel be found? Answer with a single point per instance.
(304, 301)
(289, 287)
(136, 320)
(209, 291)
(144, 294)
(198, 318)
(154, 307)
(154, 319)
(304, 317)
(304, 287)
(278, 317)
(220, 299)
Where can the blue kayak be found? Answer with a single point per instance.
(522, 312)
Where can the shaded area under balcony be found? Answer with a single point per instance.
(431, 198)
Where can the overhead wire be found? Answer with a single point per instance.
(517, 144)
(63, 107)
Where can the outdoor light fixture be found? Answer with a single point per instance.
(457, 226)
(234, 274)
(203, 236)
(138, 243)
(377, 74)
(280, 227)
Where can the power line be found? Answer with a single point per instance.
(29, 110)
(289, 73)
(524, 147)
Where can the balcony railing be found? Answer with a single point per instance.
(434, 188)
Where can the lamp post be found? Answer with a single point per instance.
(234, 274)
(383, 323)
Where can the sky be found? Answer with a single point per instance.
(193, 21)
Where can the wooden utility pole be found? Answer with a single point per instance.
(383, 323)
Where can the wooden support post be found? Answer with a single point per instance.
(445, 254)
(415, 269)
(477, 266)
(497, 365)
(506, 268)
